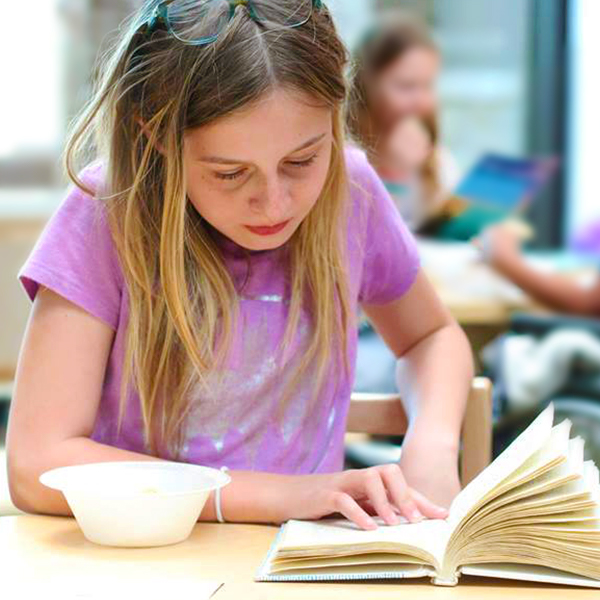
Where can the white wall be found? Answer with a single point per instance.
(352, 17)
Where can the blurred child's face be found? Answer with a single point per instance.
(407, 87)
(256, 174)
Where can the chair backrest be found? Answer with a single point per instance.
(383, 414)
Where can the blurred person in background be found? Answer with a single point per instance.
(545, 357)
(500, 246)
(393, 115)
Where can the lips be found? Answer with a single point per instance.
(269, 230)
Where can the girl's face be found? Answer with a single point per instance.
(255, 174)
(407, 87)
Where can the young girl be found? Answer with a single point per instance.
(196, 294)
(392, 114)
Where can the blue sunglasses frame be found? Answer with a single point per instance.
(161, 14)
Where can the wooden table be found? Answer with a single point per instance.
(36, 546)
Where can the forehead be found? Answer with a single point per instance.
(419, 61)
(280, 121)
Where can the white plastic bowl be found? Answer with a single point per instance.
(136, 504)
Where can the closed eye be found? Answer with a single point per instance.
(240, 172)
(230, 176)
(303, 163)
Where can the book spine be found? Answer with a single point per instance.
(445, 581)
(306, 578)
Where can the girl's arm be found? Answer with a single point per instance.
(503, 251)
(57, 392)
(434, 375)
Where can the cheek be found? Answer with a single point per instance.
(400, 100)
(428, 101)
(309, 191)
(395, 102)
(208, 200)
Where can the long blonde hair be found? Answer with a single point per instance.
(182, 300)
(388, 40)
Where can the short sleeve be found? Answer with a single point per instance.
(390, 259)
(75, 256)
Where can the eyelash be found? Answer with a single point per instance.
(299, 164)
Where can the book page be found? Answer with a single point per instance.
(569, 469)
(374, 558)
(557, 449)
(528, 573)
(529, 442)
(330, 536)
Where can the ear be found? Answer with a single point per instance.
(159, 147)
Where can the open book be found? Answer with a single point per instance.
(533, 515)
(498, 188)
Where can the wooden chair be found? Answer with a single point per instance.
(383, 414)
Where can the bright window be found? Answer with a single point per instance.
(584, 120)
(30, 119)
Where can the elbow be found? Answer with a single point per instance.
(465, 345)
(21, 483)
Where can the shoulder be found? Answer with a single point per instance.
(383, 255)
(75, 255)
(358, 168)
(83, 216)
(365, 188)
(93, 178)
(86, 210)
(369, 197)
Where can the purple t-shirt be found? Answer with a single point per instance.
(236, 423)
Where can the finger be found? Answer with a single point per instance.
(377, 495)
(345, 504)
(400, 493)
(427, 507)
(368, 507)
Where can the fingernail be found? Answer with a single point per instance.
(373, 524)
(415, 515)
(392, 519)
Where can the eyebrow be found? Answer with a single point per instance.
(232, 161)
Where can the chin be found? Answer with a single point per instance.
(257, 243)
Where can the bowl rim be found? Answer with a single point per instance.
(221, 479)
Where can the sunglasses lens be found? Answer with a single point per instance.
(197, 20)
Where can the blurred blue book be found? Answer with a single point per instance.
(497, 188)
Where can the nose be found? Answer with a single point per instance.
(272, 201)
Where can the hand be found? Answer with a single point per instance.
(431, 467)
(409, 145)
(500, 244)
(357, 494)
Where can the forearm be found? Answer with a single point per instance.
(25, 469)
(555, 291)
(434, 378)
(250, 497)
(253, 497)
